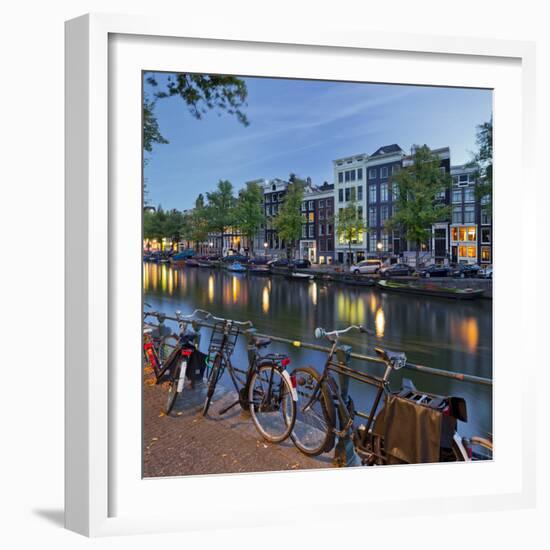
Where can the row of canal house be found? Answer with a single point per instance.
(367, 181)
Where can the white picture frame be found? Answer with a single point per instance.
(103, 497)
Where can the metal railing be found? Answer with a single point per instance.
(463, 377)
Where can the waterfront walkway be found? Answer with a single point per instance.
(186, 443)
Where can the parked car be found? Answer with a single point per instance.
(366, 266)
(465, 270)
(259, 260)
(486, 272)
(282, 262)
(301, 264)
(434, 271)
(396, 270)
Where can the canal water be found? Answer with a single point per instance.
(450, 335)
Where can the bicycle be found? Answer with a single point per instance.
(265, 388)
(315, 427)
(175, 365)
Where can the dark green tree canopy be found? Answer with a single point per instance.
(249, 212)
(288, 222)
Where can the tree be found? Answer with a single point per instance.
(483, 159)
(418, 204)
(151, 130)
(288, 222)
(350, 226)
(198, 222)
(221, 209)
(154, 224)
(200, 93)
(249, 213)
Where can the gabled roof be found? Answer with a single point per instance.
(387, 149)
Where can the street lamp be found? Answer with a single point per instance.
(265, 249)
(379, 248)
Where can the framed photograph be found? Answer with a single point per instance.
(280, 255)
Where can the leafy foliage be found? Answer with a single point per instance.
(249, 214)
(350, 227)
(288, 222)
(220, 210)
(201, 93)
(484, 160)
(151, 130)
(418, 205)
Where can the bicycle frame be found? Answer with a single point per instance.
(346, 416)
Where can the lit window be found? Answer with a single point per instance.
(485, 254)
(454, 233)
(472, 253)
(471, 233)
(311, 217)
(462, 233)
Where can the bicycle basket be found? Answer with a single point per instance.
(223, 338)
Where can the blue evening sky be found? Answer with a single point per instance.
(301, 126)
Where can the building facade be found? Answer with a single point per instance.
(384, 163)
(471, 230)
(349, 186)
(317, 239)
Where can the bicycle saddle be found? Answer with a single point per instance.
(262, 342)
(396, 358)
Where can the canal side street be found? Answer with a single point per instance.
(187, 443)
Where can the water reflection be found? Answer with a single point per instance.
(380, 323)
(444, 334)
(265, 300)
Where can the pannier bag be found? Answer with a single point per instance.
(411, 432)
(196, 366)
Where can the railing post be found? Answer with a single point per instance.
(344, 452)
(250, 334)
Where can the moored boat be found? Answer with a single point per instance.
(259, 270)
(191, 263)
(237, 267)
(294, 276)
(431, 289)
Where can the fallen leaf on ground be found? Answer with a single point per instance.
(154, 439)
(148, 370)
(150, 382)
(161, 414)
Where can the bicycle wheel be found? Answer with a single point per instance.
(212, 382)
(272, 407)
(173, 390)
(313, 429)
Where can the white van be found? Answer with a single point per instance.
(367, 266)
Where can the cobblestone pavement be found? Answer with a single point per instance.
(186, 443)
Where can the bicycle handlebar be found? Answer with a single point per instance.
(208, 315)
(321, 332)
